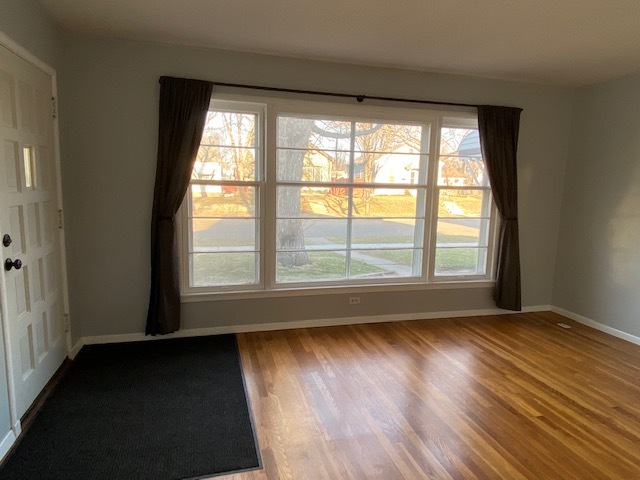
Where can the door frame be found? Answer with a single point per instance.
(26, 55)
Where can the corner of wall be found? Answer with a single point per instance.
(570, 145)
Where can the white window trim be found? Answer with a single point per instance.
(182, 217)
(267, 286)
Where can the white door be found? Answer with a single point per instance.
(31, 296)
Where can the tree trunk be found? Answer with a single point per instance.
(290, 232)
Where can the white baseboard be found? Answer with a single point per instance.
(76, 348)
(325, 322)
(539, 308)
(6, 443)
(597, 325)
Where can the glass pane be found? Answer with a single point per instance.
(460, 142)
(224, 163)
(389, 263)
(222, 201)
(401, 168)
(230, 129)
(211, 235)
(383, 233)
(313, 133)
(463, 232)
(312, 202)
(460, 261)
(330, 134)
(384, 202)
(320, 166)
(461, 160)
(300, 234)
(463, 203)
(313, 165)
(29, 164)
(211, 269)
(462, 172)
(388, 137)
(325, 202)
(310, 266)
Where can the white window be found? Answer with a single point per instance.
(223, 219)
(464, 202)
(289, 195)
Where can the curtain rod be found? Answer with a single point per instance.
(359, 98)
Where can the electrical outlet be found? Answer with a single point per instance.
(354, 300)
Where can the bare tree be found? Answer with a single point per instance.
(226, 152)
(290, 229)
(373, 141)
(469, 167)
(240, 163)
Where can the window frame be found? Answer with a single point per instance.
(356, 116)
(494, 218)
(270, 108)
(259, 181)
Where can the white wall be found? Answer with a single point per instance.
(598, 263)
(109, 123)
(27, 23)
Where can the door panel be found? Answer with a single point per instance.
(32, 294)
(11, 160)
(5, 411)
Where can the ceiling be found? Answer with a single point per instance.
(562, 42)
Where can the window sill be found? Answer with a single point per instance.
(331, 290)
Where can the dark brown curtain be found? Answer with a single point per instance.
(498, 128)
(183, 110)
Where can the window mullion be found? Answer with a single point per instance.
(420, 235)
(269, 210)
(433, 195)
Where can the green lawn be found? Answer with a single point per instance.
(239, 268)
(223, 269)
(402, 257)
(324, 266)
(444, 238)
(455, 260)
(448, 260)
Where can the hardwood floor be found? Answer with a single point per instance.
(502, 397)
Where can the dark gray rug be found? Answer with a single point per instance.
(155, 410)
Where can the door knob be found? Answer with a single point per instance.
(9, 264)
(6, 240)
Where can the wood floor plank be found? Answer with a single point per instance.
(497, 397)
